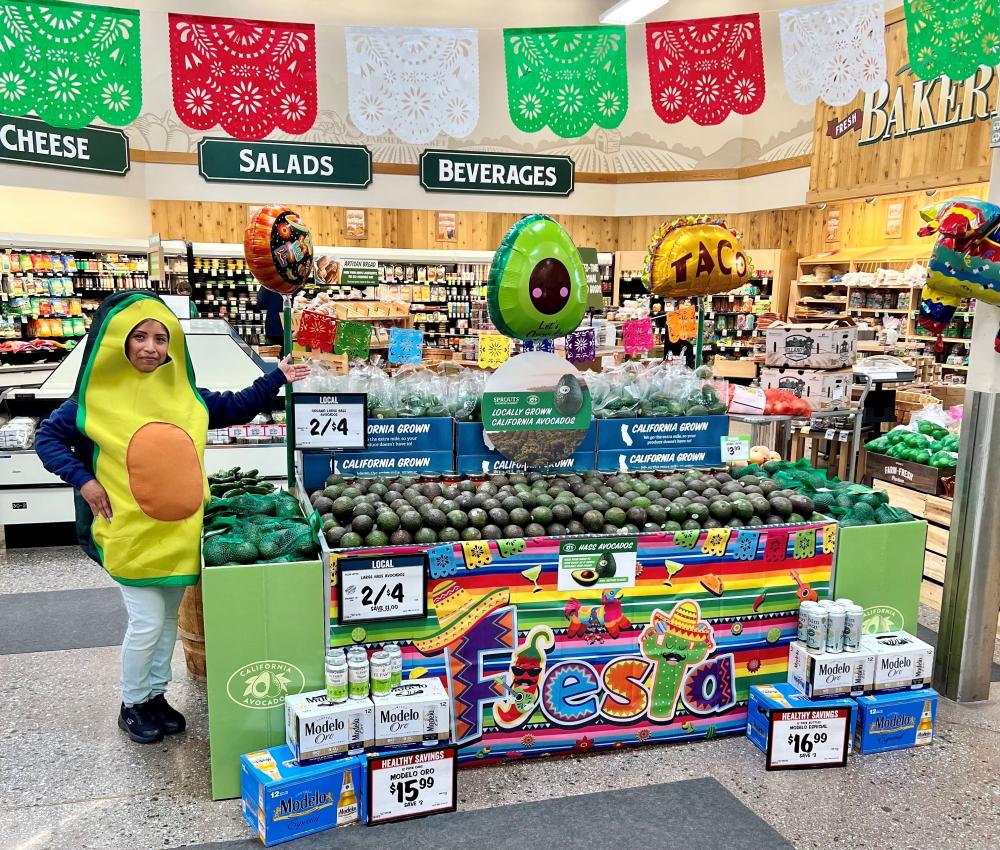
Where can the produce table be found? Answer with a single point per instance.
(666, 650)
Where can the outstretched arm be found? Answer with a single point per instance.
(238, 408)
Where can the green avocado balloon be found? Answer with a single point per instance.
(537, 286)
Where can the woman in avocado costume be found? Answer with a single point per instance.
(131, 442)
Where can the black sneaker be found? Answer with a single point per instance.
(171, 721)
(139, 724)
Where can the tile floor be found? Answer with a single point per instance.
(72, 780)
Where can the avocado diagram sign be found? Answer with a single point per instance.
(496, 173)
(301, 163)
(30, 141)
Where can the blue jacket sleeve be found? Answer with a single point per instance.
(225, 409)
(54, 442)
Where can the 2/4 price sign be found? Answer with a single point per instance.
(387, 587)
(808, 738)
(411, 785)
(331, 421)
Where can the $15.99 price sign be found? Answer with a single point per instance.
(331, 421)
(411, 785)
(390, 587)
(808, 738)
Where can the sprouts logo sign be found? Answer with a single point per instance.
(264, 684)
(906, 106)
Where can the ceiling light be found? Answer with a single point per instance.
(630, 11)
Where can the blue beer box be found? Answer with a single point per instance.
(474, 458)
(660, 442)
(282, 801)
(895, 721)
(781, 696)
(316, 466)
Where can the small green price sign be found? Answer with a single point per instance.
(735, 449)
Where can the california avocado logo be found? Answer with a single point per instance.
(883, 618)
(264, 684)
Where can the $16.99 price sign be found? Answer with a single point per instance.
(331, 421)
(411, 785)
(808, 738)
(390, 587)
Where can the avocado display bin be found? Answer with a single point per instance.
(661, 641)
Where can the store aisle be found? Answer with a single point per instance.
(72, 779)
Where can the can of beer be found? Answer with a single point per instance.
(816, 626)
(826, 603)
(836, 616)
(381, 673)
(844, 601)
(336, 677)
(357, 677)
(396, 663)
(854, 621)
(803, 626)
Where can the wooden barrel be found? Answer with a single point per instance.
(191, 628)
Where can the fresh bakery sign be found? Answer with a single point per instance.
(303, 163)
(906, 106)
(495, 173)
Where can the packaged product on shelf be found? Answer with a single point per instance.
(318, 729)
(902, 662)
(783, 696)
(896, 721)
(820, 675)
(282, 800)
(801, 346)
(414, 713)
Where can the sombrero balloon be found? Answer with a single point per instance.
(537, 286)
(693, 256)
(278, 249)
(458, 611)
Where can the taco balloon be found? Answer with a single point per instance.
(695, 256)
(278, 248)
(537, 286)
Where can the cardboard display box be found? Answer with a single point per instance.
(895, 721)
(782, 696)
(829, 346)
(820, 388)
(821, 675)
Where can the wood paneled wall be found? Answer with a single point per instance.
(949, 156)
(800, 229)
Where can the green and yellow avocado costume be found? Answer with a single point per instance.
(149, 431)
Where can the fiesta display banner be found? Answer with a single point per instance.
(563, 645)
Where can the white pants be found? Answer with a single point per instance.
(149, 640)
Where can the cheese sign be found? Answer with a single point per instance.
(29, 141)
(495, 173)
(302, 163)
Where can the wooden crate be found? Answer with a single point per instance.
(722, 368)
(915, 476)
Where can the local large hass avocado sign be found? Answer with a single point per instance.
(304, 163)
(496, 173)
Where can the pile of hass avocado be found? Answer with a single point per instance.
(380, 512)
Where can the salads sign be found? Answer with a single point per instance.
(301, 163)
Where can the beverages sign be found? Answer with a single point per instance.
(496, 173)
(302, 163)
(907, 106)
(30, 141)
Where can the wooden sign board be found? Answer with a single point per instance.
(910, 134)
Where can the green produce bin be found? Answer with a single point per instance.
(265, 633)
(880, 567)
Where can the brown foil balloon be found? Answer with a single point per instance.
(278, 248)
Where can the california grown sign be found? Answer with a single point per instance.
(30, 141)
(302, 163)
(907, 106)
(496, 173)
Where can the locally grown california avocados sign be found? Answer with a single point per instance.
(496, 173)
(30, 141)
(304, 163)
